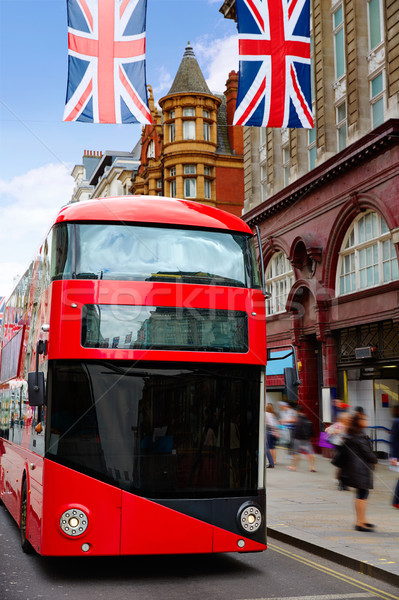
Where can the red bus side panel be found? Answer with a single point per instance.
(149, 528)
(65, 489)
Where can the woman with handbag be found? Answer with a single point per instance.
(358, 467)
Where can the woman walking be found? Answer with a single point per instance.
(272, 432)
(358, 467)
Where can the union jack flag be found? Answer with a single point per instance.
(106, 62)
(274, 51)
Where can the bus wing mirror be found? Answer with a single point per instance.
(292, 383)
(36, 388)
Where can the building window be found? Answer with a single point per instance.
(207, 132)
(172, 132)
(389, 261)
(263, 181)
(263, 161)
(208, 171)
(375, 23)
(172, 172)
(190, 187)
(279, 280)
(172, 188)
(368, 256)
(190, 169)
(312, 148)
(151, 149)
(206, 114)
(159, 184)
(207, 188)
(172, 114)
(188, 112)
(377, 99)
(286, 164)
(341, 126)
(189, 130)
(339, 42)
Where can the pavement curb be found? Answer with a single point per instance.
(347, 561)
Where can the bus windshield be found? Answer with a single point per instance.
(147, 253)
(171, 430)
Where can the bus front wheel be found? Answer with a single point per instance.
(25, 544)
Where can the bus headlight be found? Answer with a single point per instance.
(250, 517)
(74, 522)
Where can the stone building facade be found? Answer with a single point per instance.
(326, 202)
(104, 174)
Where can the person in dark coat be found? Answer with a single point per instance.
(394, 452)
(358, 467)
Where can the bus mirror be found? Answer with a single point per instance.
(292, 383)
(36, 388)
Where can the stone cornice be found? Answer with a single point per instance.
(370, 145)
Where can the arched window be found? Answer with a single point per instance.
(367, 257)
(279, 280)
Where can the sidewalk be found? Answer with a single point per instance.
(307, 510)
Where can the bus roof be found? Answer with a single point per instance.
(152, 209)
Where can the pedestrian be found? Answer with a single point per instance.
(269, 456)
(272, 431)
(303, 432)
(357, 467)
(287, 419)
(336, 436)
(394, 452)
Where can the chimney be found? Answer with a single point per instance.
(236, 136)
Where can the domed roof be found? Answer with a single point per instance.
(189, 77)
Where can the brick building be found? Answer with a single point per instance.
(191, 150)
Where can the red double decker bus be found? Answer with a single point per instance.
(132, 384)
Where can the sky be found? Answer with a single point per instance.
(37, 149)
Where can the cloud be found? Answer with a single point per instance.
(28, 203)
(164, 82)
(217, 57)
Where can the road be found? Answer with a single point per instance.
(282, 572)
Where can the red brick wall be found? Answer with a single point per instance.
(230, 189)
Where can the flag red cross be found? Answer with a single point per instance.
(278, 47)
(105, 49)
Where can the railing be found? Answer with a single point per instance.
(375, 435)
